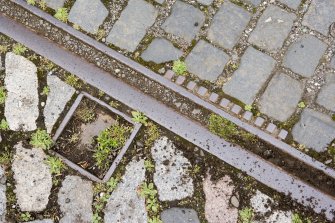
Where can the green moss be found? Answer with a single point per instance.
(56, 165)
(41, 139)
(245, 215)
(179, 67)
(62, 14)
(19, 49)
(4, 125)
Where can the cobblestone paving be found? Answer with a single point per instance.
(271, 45)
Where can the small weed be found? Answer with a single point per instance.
(101, 93)
(296, 218)
(100, 34)
(222, 126)
(73, 81)
(5, 158)
(152, 134)
(333, 117)
(62, 14)
(4, 125)
(41, 139)
(112, 184)
(86, 114)
(114, 104)
(147, 190)
(74, 138)
(32, 57)
(246, 215)
(42, 4)
(155, 219)
(3, 48)
(19, 49)
(139, 117)
(56, 165)
(152, 204)
(149, 166)
(179, 67)
(3, 95)
(25, 216)
(108, 140)
(195, 170)
(46, 90)
(31, 2)
(76, 26)
(96, 218)
(301, 104)
(248, 107)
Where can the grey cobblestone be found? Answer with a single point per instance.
(272, 28)
(326, 97)
(206, 61)
(294, 4)
(304, 55)
(228, 24)
(205, 2)
(255, 69)
(55, 4)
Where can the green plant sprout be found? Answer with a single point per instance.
(56, 165)
(19, 49)
(246, 215)
(46, 90)
(179, 67)
(139, 117)
(4, 125)
(62, 14)
(3, 95)
(301, 104)
(149, 166)
(41, 139)
(31, 2)
(248, 107)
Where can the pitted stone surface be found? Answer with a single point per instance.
(125, 205)
(60, 93)
(55, 4)
(132, 25)
(205, 2)
(88, 14)
(228, 24)
(255, 69)
(185, 21)
(21, 106)
(3, 198)
(179, 215)
(171, 175)
(294, 4)
(32, 177)
(304, 55)
(217, 206)
(261, 202)
(281, 97)
(253, 2)
(272, 28)
(280, 217)
(326, 97)
(206, 61)
(160, 51)
(42, 221)
(75, 200)
(314, 130)
(320, 16)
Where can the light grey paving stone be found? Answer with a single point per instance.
(217, 203)
(185, 21)
(202, 91)
(171, 171)
(191, 85)
(59, 95)
(3, 199)
(272, 28)
(125, 205)
(206, 61)
(261, 203)
(280, 217)
(314, 130)
(169, 74)
(179, 215)
(228, 24)
(132, 25)
(247, 115)
(42, 221)
(236, 109)
(326, 97)
(332, 63)
(281, 97)
(75, 200)
(180, 80)
(55, 4)
(283, 134)
(33, 180)
(255, 69)
(214, 97)
(271, 128)
(259, 121)
(253, 2)
(304, 55)
(88, 14)
(161, 51)
(224, 103)
(21, 106)
(294, 4)
(320, 16)
(205, 2)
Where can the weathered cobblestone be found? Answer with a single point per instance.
(206, 61)
(281, 97)
(294, 4)
(255, 69)
(272, 28)
(314, 130)
(180, 215)
(88, 14)
(185, 21)
(132, 25)
(304, 55)
(332, 63)
(228, 24)
(326, 97)
(160, 51)
(55, 4)
(253, 2)
(320, 16)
